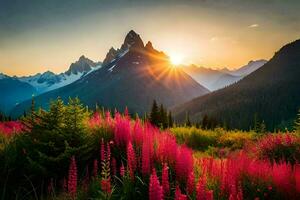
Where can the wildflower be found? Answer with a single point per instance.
(209, 195)
(145, 158)
(122, 170)
(106, 186)
(95, 168)
(155, 189)
(165, 180)
(102, 151)
(200, 189)
(190, 183)
(72, 179)
(184, 163)
(131, 160)
(179, 195)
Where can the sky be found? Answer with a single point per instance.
(36, 36)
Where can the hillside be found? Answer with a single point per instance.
(271, 93)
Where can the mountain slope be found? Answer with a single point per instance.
(215, 79)
(134, 76)
(249, 68)
(49, 81)
(271, 93)
(13, 92)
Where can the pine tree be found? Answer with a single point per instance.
(75, 114)
(205, 122)
(154, 114)
(262, 127)
(163, 118)
(170, 119)
(187, 120)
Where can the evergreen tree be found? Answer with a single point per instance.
(154, 114)
(163, 118)
(75, 115)
(262, 127)
(205, 122)
(187, 120)
(170, 119)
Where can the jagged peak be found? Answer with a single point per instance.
(132, 41)
(149, 45)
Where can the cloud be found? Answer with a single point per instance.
(253, 26)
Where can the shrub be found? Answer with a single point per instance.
(279, 148)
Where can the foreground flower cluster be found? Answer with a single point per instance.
(122, 158)
(10, 127)
(140, 152)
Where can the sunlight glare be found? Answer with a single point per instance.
(176, 58)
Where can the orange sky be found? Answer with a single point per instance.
(202, 34)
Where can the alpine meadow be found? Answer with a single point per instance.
(149, 100)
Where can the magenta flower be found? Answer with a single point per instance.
(155, 189)
(131, 160)
(165, 180)
(72, 179)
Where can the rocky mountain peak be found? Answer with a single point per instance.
(82, 65)
(132, 41)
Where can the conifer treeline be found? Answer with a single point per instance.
(160, 116)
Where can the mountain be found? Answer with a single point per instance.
(13, 92)
(49, 81)
(249, 68)
(131, 76)
(270, 94)
(210, 78)
(215, 79)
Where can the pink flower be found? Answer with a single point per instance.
(155, 190)
(179, 195)
(131, 160)
(95, 168)
(146, 158)
(165, 180)
(190, 183)
(122, 170)
(209, 195)
(102, 151)
(72, 179)
(200, 189)
(106, 186)
(184, 163)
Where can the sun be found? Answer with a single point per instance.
(176, 58)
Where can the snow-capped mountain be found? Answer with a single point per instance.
(49, 81)
(17, 89)
(131, 76)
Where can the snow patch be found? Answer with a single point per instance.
(111, 68)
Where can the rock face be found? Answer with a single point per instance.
(131, 76)
(270, 94)
(48, 80)
(82, 65)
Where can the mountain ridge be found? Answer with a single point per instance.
(134, 77)
(270, 94)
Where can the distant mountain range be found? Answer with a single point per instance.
(270, 94)
(18, 89)
(215, 79)
(131, 76)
